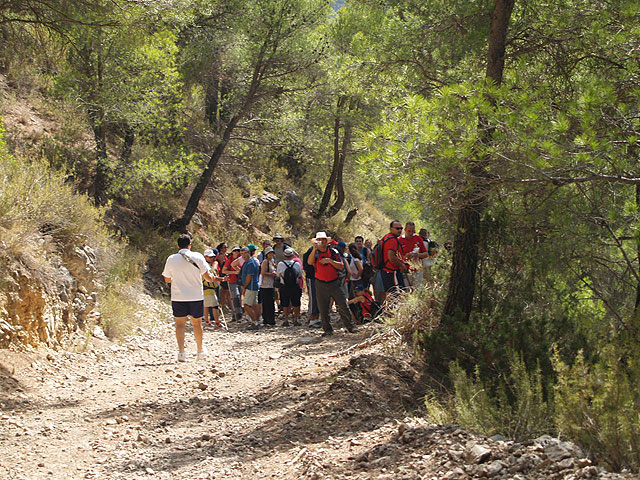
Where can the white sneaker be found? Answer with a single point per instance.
(202, 354)
(182, 357)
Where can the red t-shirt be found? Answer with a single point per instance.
(409, 244)
(392, 244)
(326, 272)
(227, 266)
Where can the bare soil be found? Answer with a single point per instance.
(248, 410)
(275, 403)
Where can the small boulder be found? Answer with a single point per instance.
(478, 454)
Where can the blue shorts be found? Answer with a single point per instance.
(184, 309)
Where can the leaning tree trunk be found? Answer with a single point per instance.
(180, 224)
(102, 169)
(328, 191)
(474, 202)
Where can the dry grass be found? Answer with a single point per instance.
(415, 312)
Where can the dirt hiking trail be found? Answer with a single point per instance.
(275, 403)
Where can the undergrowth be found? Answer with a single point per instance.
(42, 216)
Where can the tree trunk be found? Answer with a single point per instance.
(637, 306)
(211, 103)
(350, 214)
(339, 185)
(98, 120)
(181, 223)
(328, 191)
(127, 145)
(346, 145)
(102, 169)
(465, 253)
(259, 68)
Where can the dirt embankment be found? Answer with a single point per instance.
(276, 403)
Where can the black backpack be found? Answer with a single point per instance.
(378, 253)
(289, 277)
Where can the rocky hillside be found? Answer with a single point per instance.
(39, 307)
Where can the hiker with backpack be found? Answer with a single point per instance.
(357, 268)
(345, 274)
(310, 278)
(290, 273)
(369, 308)
(211, 303)
(223, 290)
(327, 263)
(387, 258)
(365, 251)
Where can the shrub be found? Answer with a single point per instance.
(41, 213)
(598, 406)
(513, 406)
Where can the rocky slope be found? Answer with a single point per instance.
(44, 305)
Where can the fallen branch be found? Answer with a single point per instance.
(374, 339)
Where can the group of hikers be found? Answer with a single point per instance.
(356, 278)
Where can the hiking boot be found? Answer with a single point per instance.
(296, 323)
(327, 333)
(316, 324)
(353, 329)
(285, 323)
(253, 326)
(182, 357)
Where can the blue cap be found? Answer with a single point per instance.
(342, 244)
(215, 251)
(359, 288)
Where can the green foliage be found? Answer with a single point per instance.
(515, 405)
(597, 406)
(37, 201)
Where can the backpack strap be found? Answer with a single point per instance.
(190, 260)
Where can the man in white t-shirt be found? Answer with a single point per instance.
(184, 271)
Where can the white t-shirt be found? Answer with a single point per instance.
(354, 269)
(186, 278)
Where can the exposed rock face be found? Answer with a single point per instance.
(294, 204)
(42, 307)
(267, 201)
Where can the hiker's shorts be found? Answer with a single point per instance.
(184, 309)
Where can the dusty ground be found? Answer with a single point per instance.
(277, 403)
(130, 410)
